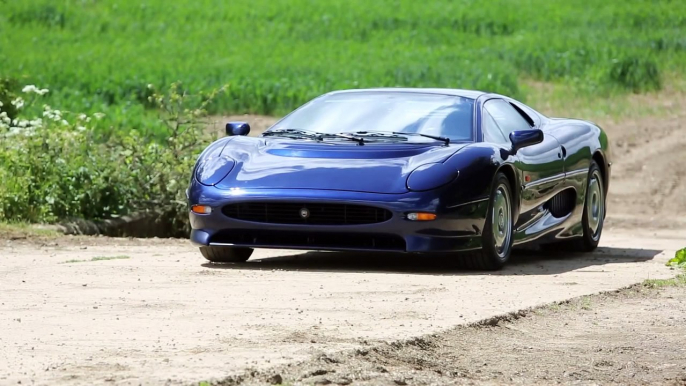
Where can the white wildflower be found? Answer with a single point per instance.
(82, 117)
(14, 121)
(80, 128)
(36, 122)
(23, 123)
(0, 104)
(55, 115)
(33, 89)
(99, 115)
(64, 122)
(150, 86)
(18, 103)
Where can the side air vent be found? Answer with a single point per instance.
(562, 203)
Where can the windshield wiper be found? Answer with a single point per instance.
(444, 139)
(295, 132)
(312, 134)
(399, 134)
(359, 140)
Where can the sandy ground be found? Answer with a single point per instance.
(158, 312)
(153, 312)
(633, 336)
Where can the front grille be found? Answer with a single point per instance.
(310, 240)
(306, 213)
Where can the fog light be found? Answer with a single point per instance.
(201, 209)
(421, 216)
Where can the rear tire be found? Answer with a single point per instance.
(497, 237)
(593, 217)
(226, 254)
(594, 210)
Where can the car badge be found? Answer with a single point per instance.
(304, 213)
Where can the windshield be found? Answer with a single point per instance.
(402, 112)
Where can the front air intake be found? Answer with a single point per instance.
(306, 213)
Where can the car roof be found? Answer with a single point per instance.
(471, 94)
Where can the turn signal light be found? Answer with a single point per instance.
(201, 209)
(421, 216)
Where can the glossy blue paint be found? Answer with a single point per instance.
(525, 138)
(414, 175)
(237, 128)
(431, 176)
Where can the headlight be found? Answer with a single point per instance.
(212, 170)
(431, 176)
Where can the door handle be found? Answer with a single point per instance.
(564, 151)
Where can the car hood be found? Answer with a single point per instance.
(333, 165)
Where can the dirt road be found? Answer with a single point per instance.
(92, 311)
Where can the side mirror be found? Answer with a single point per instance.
(524, 138)
(237, 128)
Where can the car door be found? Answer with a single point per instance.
(540, 166)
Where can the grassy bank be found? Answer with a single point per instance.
(275, 54)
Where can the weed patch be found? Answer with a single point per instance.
(56, 166)
(679, 259)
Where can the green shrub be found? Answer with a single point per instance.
(54, 167)
(679, 259)
(45, 14)
(8, 94)
(636, 74)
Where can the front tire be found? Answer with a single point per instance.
(226, 254)
(497, 237)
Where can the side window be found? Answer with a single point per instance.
(491, 131)
(506, 117)
(526, 113)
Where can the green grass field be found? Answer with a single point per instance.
(100, 55)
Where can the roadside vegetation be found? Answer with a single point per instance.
(679, 262)
(679, 259)
(107, 142)
(58, 166)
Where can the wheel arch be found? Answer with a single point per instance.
(601, 160)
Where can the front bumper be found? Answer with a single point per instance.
(457, 227)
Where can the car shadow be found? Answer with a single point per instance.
(523, 262)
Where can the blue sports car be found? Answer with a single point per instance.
(405, 170)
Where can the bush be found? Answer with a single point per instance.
(7, 95)
(53, 167)
(636, 74)
(679, 259)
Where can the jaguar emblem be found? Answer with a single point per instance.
(304, 213)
